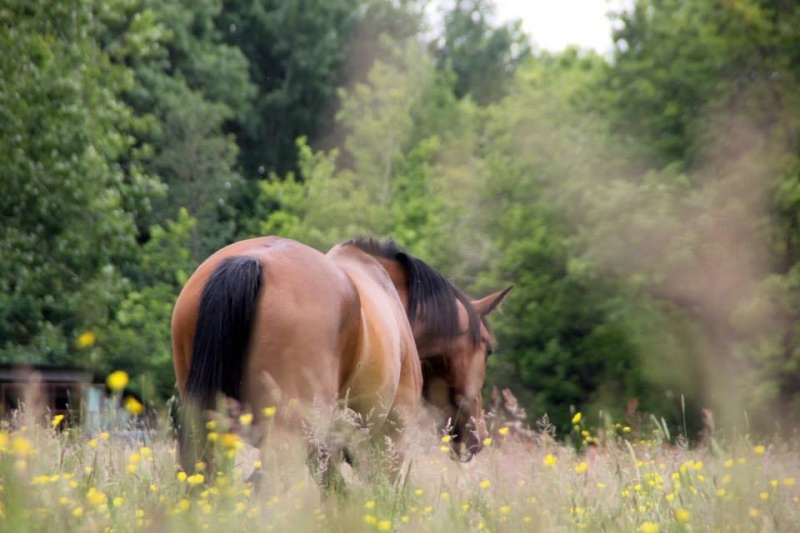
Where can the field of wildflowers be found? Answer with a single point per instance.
(55, 477)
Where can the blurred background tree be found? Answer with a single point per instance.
(644, 204)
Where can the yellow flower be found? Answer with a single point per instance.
(134, 458)
(682, 516)
(485, 484)
(385, 525)
(77, 512)
(133, 406)
(370, 520)
(370, 504)
(86, 339)
(269, 412)
(488, 441)
(764, 495)
(577, 418)
(753, 512)
(105, 435)
(418, 492)
(503, 431)
(117, 380)
(789, 482)
(550, 460)
(182, 476)
(92, 443)
(57, 420)
(505, 509)
(95, 497)
(21, 446)
(230, 441)
(196, 479)
(131, 469)
(446, 439)
(118, 501)
(759, 450)
(581, 467)
(445, 496)
(728, 463)
(649, 527)
(246, 419)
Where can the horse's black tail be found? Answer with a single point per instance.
(222, 334)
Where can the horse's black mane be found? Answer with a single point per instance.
(431, 296)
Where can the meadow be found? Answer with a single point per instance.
(609, 476)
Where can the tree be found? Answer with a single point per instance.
(72, 182)
(482, 56)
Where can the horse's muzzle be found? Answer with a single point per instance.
(467, 431)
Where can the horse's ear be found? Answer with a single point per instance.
(487, 304)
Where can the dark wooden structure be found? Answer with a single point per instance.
(56, 389)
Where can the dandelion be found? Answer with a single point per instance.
(57, 420)
(269, 412)
(86, 339)
(581, 467)
(117, 380)
(196, 479)
(92, 443)
(577, 418)
(385, 525)
(550, 460)
(485, 484)
(182, 476)
(131, 469)
(649, 527)
(246, 419)
(759, 450)
(77, 512)
(465, 507)
(503, 431)
(682, 516)
(488, 441)
(133, 406)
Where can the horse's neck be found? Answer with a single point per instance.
(398, 276)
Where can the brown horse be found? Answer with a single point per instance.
(270, 317)
(453, 340)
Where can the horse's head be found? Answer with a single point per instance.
(452, 337)
(454, 368)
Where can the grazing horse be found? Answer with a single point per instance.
(453, 340)
(272, 318)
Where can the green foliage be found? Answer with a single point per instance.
(482, 56)
(137, 335)
(70, 179)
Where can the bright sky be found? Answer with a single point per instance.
(555, 24)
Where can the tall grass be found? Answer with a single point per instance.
(57, 478)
